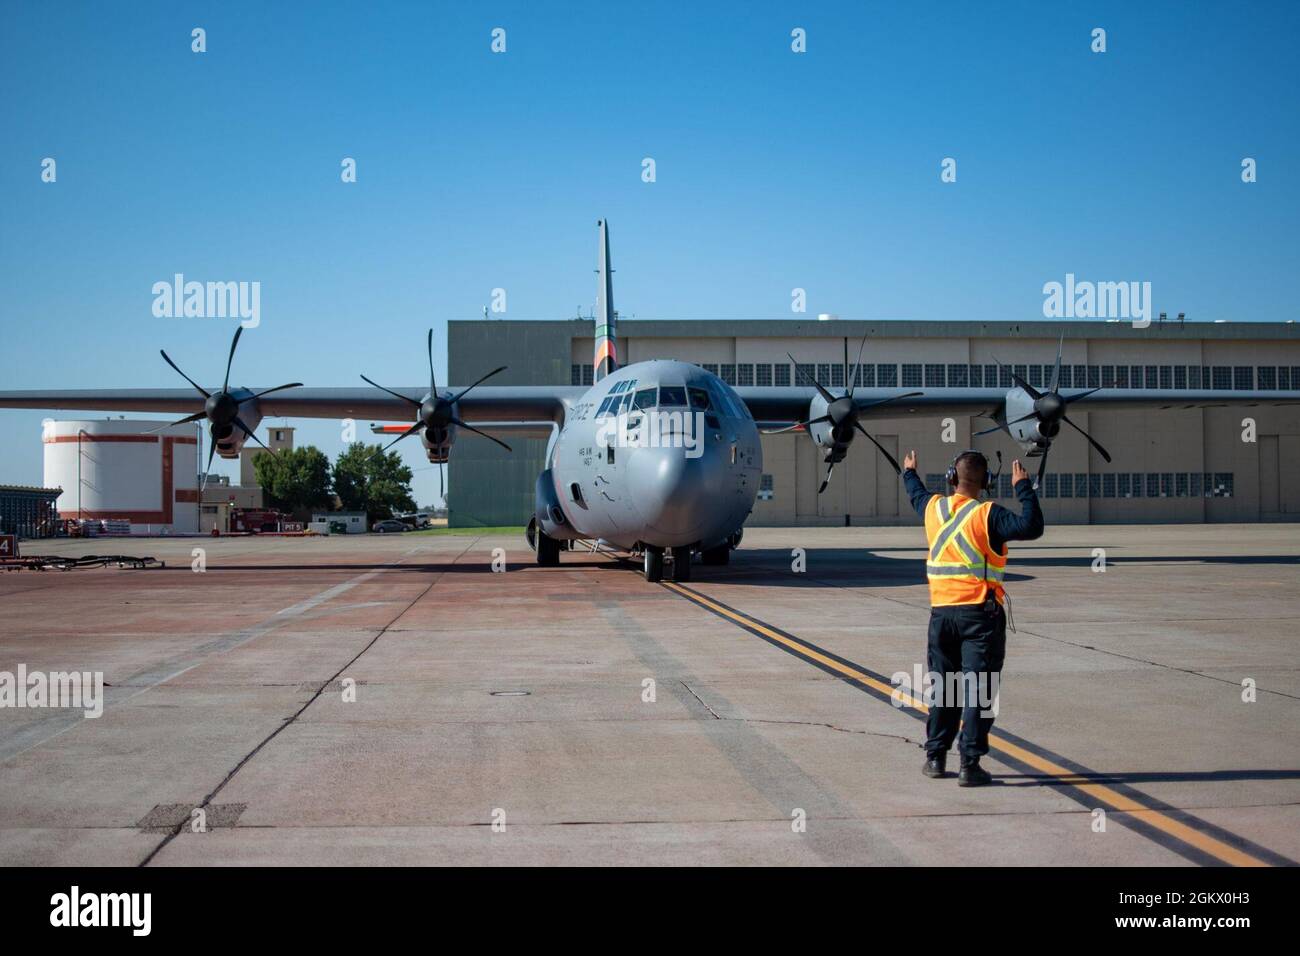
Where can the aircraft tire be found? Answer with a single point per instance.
(681, 564)
(548, 550)
(654, 564)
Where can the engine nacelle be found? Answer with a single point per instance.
(437, 443)
(230, 439)
(1032, 434)
(825, 434)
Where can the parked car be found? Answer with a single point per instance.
(390, 524)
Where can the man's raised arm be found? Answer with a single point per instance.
(915, 486)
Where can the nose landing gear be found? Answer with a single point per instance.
(679, 567)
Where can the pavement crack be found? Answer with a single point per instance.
(691, 691)
(1143, 660)
(818, 723)
(291, 719)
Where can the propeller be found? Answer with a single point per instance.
(842, 414)
(1050, 409)
(437, 413)
(221, 408)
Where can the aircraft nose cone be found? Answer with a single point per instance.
(670, 491)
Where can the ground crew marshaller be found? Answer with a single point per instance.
(967, 557)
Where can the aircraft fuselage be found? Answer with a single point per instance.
(659, 453)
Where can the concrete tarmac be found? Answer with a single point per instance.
(598, 719)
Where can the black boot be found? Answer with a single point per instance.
(936, 765)
(972, 774)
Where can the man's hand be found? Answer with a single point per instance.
(909, 460)
(1018, 473)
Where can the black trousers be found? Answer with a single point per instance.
(967, 645)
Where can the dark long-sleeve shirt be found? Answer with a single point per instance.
(1004, 524)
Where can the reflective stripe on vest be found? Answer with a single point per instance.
(961, 567)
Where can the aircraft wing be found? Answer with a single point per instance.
(519, 403)
(783, 406)
(979, 401)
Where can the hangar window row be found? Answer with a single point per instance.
(1139, 484)
(938, 375)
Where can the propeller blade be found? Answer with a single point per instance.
(405, 398)
(167, 359)
(1091, 441)
(988, 431)
(847, 381)
(1056, 372)
(888, 456)
(239, 330)
(406, 434)
(858, 364)
(1042, 468)
(827, 480)
(471, 428)
(790, 428)
(1028, 389)
(184, 421)
(212, 450)
(1075, 398)
(278, 388)
(442, 488)
(249, 432)
(1022, 418)
(816, 384)
(433, 382)
(478, 383)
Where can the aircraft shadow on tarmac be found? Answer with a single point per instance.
(866, 568)
(769, 567)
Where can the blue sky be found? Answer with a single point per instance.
(479, 170)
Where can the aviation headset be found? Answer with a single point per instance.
(989, 476)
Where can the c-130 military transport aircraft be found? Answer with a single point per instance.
(657, 458)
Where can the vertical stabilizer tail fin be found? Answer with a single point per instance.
(606, 358)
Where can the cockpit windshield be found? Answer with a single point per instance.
(672, 396)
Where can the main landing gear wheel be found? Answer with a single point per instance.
(548, 550)
(681, 564)
(654, 563)
(719, 555)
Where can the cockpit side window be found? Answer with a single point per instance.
(720, 400)
(672, 396)
(644, 399)
(699, 399)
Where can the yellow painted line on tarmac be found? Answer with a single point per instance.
(1207, 844)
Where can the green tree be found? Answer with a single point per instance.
(367, 479)
(296, 480)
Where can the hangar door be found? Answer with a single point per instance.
(1279, 476)
(864, 486)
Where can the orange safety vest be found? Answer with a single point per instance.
(962, 568)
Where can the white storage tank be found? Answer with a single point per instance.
(116, 469)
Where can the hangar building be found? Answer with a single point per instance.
(1169, 465)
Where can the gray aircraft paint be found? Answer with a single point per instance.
(660, 496)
